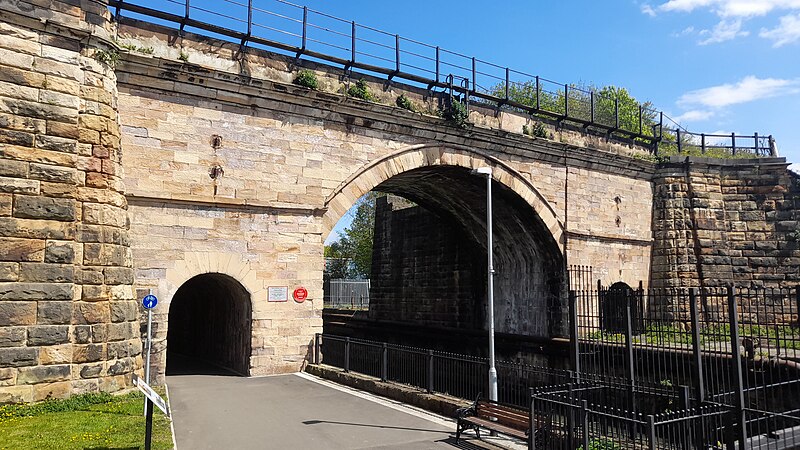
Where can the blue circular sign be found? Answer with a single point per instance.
(149, 301)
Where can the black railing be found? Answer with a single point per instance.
(304, 32)
(457, 375)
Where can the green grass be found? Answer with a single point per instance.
(89, 421)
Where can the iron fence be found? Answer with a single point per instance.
(346, 294)
(452, 374)
(286, 27)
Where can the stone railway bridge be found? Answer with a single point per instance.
(200, 172)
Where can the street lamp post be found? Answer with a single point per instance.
(487, 172)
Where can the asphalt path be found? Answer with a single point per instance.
(298, 411)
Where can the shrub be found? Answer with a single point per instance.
(307, 78)
(456, 114)
(361, 90)
(404, 102)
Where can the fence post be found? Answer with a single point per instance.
(651, 432)
(353, 43)
(755, 144)
(347, 354)
(699, 382)
(430, 371)
(573, 335)
(571, 413)
(317, 351)
(566, 100)
(629, 354)
(585, 419)
(616, 113)
(385, 362)
(532, 420)
(703, 143)
(733, 144)
(507, 82)
(437, 63)
(591, 106)
(397, 53)
(538, 93)
(678, 139)
(736, 367)
(797, 303)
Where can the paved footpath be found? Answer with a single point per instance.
(298, 411)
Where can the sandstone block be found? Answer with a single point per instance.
(36, 207)
(54, 174)
(12, 336)
(8, 377)
(122, 331)
(16, 394)
(91, 370)
(15, 137)
(18, 186)
(88, 353)
(46, 273)
(35, 291)
(52, 390)
(63, 130)
(55, 354)
(59, 252)
(81, 334)
(123, 311)
(120, 366)
(18, 356)
(100, 332)
(118, 275)
(90, 313)
(16, 249)
(36, 229)
(85, 386)
(14, 169)
(6, 201)
(48, 335)
(43, 374)
(54, 313)
(17, 313)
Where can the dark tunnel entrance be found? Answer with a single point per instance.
(209, 327)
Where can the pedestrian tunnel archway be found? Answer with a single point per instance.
(429, 255)
(209, 327)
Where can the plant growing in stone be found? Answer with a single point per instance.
(307, 78)
(107, 57)
(404, 102)
(456, 114)
(183, 56)
(361, 90)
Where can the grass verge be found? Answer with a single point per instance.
(89, 421)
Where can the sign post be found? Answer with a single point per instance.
(148, 302)
(151, 398)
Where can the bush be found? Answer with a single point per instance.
(361, 90)
(307, 78)
(456, 114)
(404, 102)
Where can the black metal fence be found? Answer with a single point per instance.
(298, 30)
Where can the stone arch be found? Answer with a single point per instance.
(210, 319)
(376, 172)
(194, 264)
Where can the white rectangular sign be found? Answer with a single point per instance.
(151, 394)
(278, 293)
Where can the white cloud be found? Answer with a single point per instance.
(724, 31)
(695, 115)
(787, 32)
(734, 13)
(685, 32)
(731, 8)
(748, 89)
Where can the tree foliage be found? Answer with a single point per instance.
(351, 255)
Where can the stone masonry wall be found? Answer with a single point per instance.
(425, 270)
(719, 223)
(67, 314)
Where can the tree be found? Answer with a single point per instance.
(351, 255)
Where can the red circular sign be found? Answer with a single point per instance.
(300, 294)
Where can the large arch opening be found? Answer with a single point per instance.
(209, 327)
(429, 254)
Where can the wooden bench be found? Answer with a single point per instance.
(502, 418)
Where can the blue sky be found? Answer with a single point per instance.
(716, 66)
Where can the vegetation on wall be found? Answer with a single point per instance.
(456, 114)
(405, 103)
(360, 90)
(307, 78)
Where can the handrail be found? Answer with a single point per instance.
(564, 102)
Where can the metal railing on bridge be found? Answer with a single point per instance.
(279, 25)
(346, 294)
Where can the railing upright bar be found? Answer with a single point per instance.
(347, 354)
(755, 143)
(317, 351)
(678, 139)
(507, 82)
(651, 432)
(353, 42)
(430, 371)
(736, 368)
(616, 113)
(640, 119)
(591, 106)
(437, 63)
(566, 100)
(703, 143)
(397, 53)
(384, 362)
(538, 93)
(585, 420)
(305, 29)
(573, 335)
(733, 144)
(474, 78)
(699, 382)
